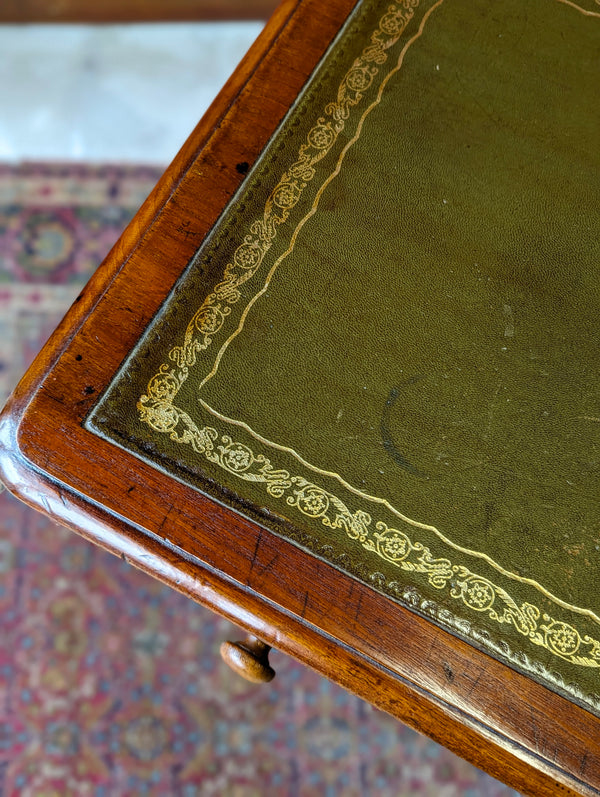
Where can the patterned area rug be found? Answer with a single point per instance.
(110, 683)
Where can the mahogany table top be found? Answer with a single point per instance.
(337, 378)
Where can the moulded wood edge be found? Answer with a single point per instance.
(504, 758)
(46, 494)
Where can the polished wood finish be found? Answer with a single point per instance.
(249, 658)
(497, 718)
(112, 11)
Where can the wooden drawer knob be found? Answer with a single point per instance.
(249, 658)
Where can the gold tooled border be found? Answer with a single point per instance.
(157, 409)
(393, 545)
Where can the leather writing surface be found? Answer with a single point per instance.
(386, 351)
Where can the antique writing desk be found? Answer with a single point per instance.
(338, 379)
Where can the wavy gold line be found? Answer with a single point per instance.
(392, 545)
(415, 523)
(583, 11)
(383, 502)
(317, 199)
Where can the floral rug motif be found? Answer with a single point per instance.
(111, 683)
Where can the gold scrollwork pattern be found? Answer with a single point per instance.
(242, 462)
(396, 547)
(208, 320)
(157, 408)
(475, 591)
(393, 545)
(236, 458)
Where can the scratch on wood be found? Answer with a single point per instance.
(254, 555)
(475, 682)
(271, 563)
(358, 607)
(304, 605)
(165, 518)
(536, 735)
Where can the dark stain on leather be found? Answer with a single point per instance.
(386, 435)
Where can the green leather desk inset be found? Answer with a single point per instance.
(338, 380)
(386, 351)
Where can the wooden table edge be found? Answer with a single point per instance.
(506, 759)
(425, 712)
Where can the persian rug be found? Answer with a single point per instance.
(111, 683)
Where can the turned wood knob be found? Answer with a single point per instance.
(249, 658)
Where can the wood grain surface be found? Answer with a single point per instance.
(497, 718)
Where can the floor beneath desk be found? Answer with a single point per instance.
(118, 93)
(111, 683)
